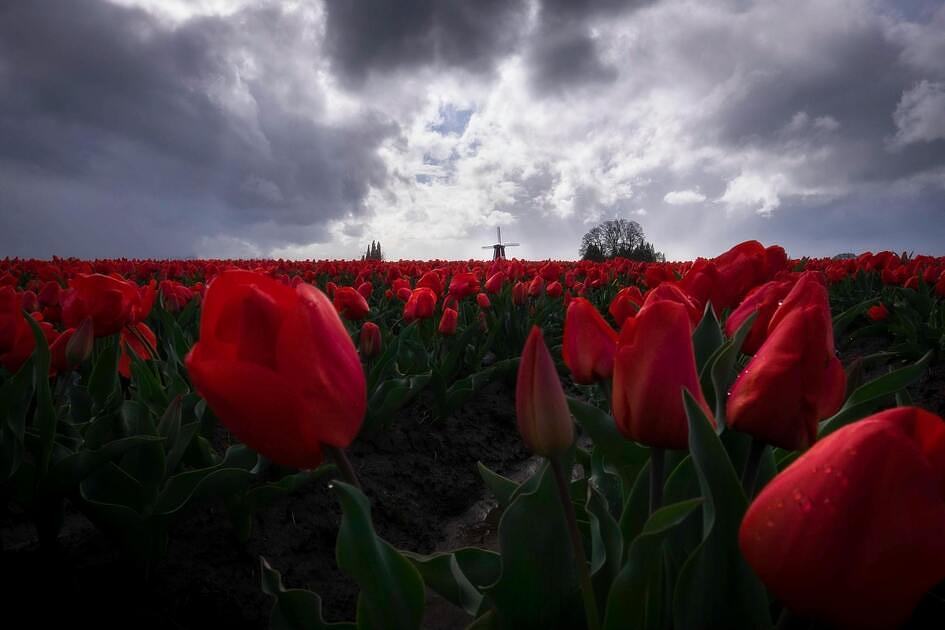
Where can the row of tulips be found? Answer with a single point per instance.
(701, 404)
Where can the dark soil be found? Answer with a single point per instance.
(426, 494)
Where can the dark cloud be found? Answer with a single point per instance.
(367, 36)
(106, 105)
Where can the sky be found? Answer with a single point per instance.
(306, 129)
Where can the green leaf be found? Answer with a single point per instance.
(716, 588)
(867, 398)
(73, 469)
(145, 464)
(293, 609)
(538, 586)
(627, 457)
(104, 385)
(847, 317)
(606, 544)
(44, 418)
(636, 598)
(392, 595)
(502, 487)
(458, 576)
(722, 369)
(15, 396)
(707, 337)
(231, 475)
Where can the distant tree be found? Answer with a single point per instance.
(618, 238)
(844, 256)
(373, 252)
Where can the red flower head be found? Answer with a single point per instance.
(589, 343)
(277, 367)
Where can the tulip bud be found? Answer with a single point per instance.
(366, 289)
(79, 347)
(448, 322)
(520, 288)
(483, 301)
(495, 282)
(554, 289)
(370, 340)
(877, 313)
(541, 409)
(589, 343)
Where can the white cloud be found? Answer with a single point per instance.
(755, 191)
(920, 115)
(683, 197)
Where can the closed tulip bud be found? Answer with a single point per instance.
(554, 289)
(463, 285)
(541, 408)
(370, 340)
(420, 304)
(852, 534)
(366, 289)
(351, 304)
(495, 282)
(140, 338)
(448, 322)
(451, 302)
(404, 293)
(763, 300)
(589, 343)
(878, 313)
(277, 367)
(519, 292)
(79, 347)
(536, 286)
(625, 304)
(795, 379)
(654, 362)
(483, 301)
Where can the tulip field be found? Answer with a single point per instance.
(745, 441)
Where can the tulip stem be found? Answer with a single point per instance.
(343, 464)
(657, 458)
(580, 560)
(752, 467)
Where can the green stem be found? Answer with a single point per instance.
(580, 561)
(752, 467)
(657, 458)
(344, 464)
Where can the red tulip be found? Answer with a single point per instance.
(432, 281)
(463, 285)
(654, 362)
(370, 340)
(541, 408)
(589, 343)
(141, 339)
(448, 322)
(11, 315)
(277, 367)
(795, 380)
(110, 302)
(554, 289)
(495, 282)
(483, 301)
(878, 313)
(536, 286)
(625, 304)
(351, 304)
(764, 300)
(852, 534)
(59, 356)
(520, 289)
(420, 304)
(668, 292)
(366, 289)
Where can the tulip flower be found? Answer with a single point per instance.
(483, 301)
(11, 314)
(141, 339)
(540, 406)
(58, 352)
(351, 304)
(877, 313)
(370, 340)
(277, 367)
(794, 380)
(589, 343)
(554, 289)
(520, 289)
(448, 322)
(654, 362)
(495, 282)
(464, 285)
(670, 292)
(852, 534)
(764, 300)
(420, 304)
(79, 346)
(430, 280)
(110, 302)
(625, 304)
(536, 286)
(366, 289)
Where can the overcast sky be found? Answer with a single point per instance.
(237, 128)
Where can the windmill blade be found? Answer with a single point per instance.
(488, 247)
(511, 244)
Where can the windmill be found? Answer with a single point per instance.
(498, 250)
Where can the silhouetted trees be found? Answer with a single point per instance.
(618, 238)
(373, 252)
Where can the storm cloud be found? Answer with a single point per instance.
(269, 128)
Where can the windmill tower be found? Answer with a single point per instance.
(498, 249)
